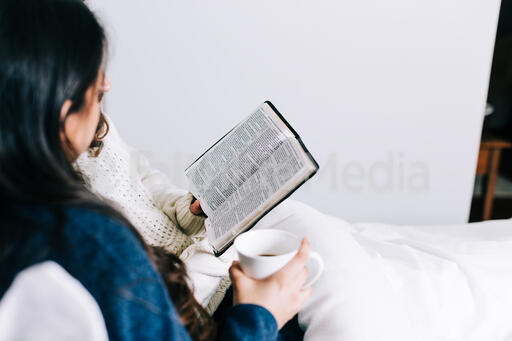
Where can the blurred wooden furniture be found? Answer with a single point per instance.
(488, 164)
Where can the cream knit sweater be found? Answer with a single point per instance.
(160, 212)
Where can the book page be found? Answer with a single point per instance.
(244, 169)
(277, 174)
(227, 165)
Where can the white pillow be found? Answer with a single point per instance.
(387, 282)
(45, 303)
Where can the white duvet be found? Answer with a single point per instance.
(381, 282)
(389, 282)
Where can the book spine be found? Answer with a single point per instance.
(297, 136)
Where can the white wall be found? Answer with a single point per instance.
(388, 95)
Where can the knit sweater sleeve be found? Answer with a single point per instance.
(174, 202)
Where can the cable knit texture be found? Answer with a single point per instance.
(158, 210)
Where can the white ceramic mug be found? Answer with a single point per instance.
(264, 252)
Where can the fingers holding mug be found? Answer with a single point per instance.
(265, 252)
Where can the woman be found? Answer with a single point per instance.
(51, 86)
(164, 215)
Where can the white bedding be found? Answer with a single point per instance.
(388, 282)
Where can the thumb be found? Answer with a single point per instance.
(298, 262)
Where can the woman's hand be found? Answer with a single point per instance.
(281, 293)
(195, 207)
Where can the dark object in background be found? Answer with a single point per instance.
(488, 168)
(501, 209)
(500, 86)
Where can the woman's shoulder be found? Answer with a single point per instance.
(103, 231)
(90, 217)
(79, 227)
(37, 219)
(110, 261)
(96, 240)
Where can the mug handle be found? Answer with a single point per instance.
(314, 256)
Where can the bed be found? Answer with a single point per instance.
(391, 282)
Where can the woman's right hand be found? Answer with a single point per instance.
(281, 293)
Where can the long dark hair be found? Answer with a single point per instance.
(51, 51)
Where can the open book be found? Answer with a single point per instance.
(249, 171)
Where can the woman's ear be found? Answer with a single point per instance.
(63, 112)
(65, 108)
